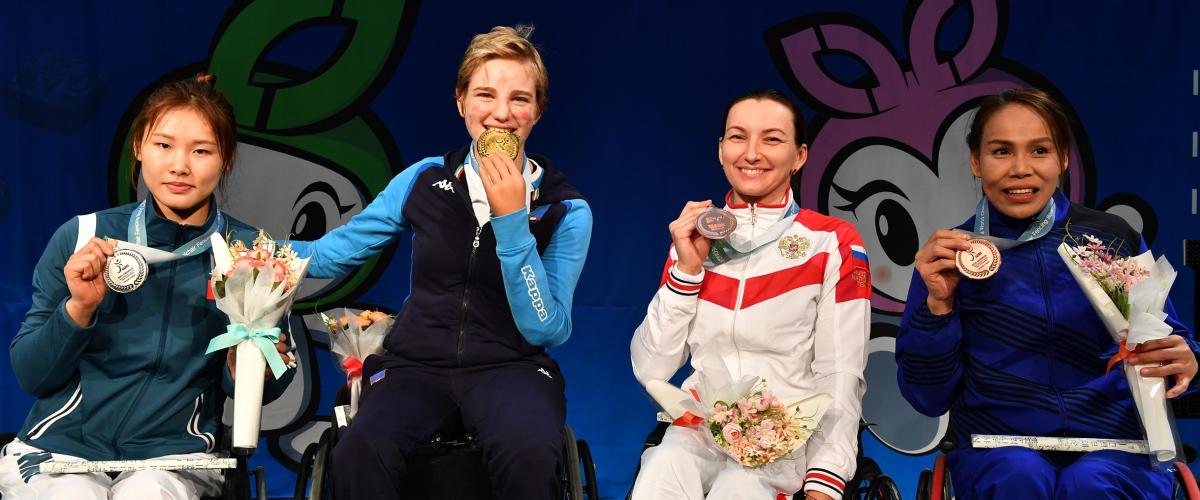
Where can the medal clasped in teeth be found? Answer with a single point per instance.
(494, 139)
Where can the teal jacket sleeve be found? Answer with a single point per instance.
(47, 349)
(540, 289)
(367, 233)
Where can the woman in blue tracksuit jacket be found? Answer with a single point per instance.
(125, 376)
(497, 248)
(1023, 352)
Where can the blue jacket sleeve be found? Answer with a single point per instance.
(367, 233)
(540, 289)
(928, 354)
(47, 349)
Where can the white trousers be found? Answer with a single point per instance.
(687, 466)
(20, 479)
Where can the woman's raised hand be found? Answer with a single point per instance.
(84, 272)
(935, 264)
(503, 184)
(690, 245)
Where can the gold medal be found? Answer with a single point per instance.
(496, 139)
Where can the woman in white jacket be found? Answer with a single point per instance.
(786, 297)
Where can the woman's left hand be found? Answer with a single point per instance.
(1174, 358)
(503, 183)
(231, 358)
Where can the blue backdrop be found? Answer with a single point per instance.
(350, 92)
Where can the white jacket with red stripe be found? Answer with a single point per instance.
(795, 312)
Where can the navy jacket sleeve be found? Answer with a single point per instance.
(929, 355)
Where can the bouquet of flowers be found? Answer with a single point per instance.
(255, 287)
(1129, 294)
(745, 419)
(352, 338)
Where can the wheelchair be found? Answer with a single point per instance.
(936, 484)
(237, 480)
(869, 481)
(450, 465)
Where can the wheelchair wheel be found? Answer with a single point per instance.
(312, 478)
(923, 483)
(590, 488)
(1185, 482)
(574, 485)
(882, 488)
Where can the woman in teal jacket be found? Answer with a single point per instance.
(124, 375)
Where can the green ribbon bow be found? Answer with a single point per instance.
(263, 339)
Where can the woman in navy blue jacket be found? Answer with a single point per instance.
(498, 246)
(1023, 352)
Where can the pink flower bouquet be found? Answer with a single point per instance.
(1129, 294)
(255, 287)
(746, 420)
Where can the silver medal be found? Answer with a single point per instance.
(125, 271)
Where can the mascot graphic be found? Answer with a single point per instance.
(311, 155)
(888, 153)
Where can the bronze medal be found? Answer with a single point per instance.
(980, 262)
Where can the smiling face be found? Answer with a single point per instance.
(181, 164)
(501, 94)
(1018, 162)
(759, 152)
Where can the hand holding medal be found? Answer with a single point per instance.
(691, 242)
(937, 264)
(502, 179)
(83, 272)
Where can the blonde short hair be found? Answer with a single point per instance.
(505, 42)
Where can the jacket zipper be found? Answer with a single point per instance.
(1062, 407)
(466, 298)
(158, 353)
(737, 307)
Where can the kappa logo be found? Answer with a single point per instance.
(535, 294)
(444, 184)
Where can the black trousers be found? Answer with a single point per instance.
(517, 410)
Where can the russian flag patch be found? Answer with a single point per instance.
(858, 253)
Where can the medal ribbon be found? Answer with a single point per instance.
(730, 248)
(264, 339)
(1039, 227)
(138, 240)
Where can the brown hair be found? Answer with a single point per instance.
(775, 96)
(199, 94)
(1040, 102)
(505, 42)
